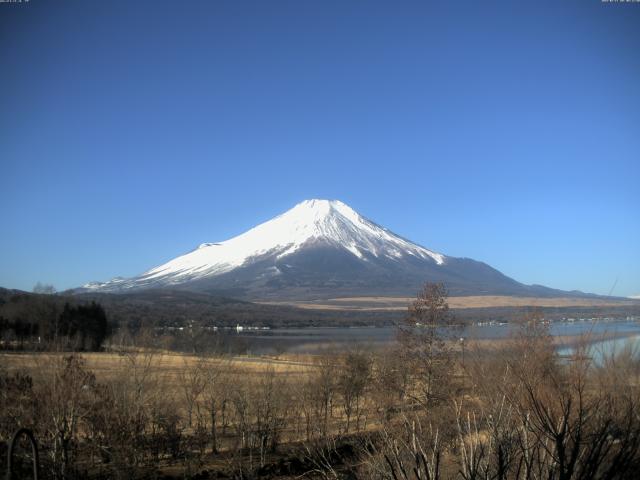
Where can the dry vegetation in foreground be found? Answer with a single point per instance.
(421, 410)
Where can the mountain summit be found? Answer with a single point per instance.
(311, 222)
(319, 248)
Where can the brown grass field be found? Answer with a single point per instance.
(477, 301)
(168, 365)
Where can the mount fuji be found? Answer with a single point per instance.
(320, 249)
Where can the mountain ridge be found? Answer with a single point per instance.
(321, 249)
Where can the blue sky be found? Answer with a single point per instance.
(508, 132)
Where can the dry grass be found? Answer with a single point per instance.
(478, 301)
(166, 364)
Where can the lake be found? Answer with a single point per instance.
(312, 339)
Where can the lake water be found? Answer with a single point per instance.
(601, 350)
(310, 339)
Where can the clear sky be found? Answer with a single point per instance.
(508, 132)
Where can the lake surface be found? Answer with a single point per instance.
(312, 339)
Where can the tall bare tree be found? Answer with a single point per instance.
(353, 379)
(423, 337)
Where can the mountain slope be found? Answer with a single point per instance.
(320, 248)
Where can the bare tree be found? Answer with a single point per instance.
(422, 336)
(66, 392)
(192, 383)
(352, 382)
(411, 450)
(391, 381)
(216, 395)
(320, 389)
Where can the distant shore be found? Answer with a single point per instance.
(569, 341)
(474, 301)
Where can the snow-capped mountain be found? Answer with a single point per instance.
(319, 248)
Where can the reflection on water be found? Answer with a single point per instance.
(310, 339)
